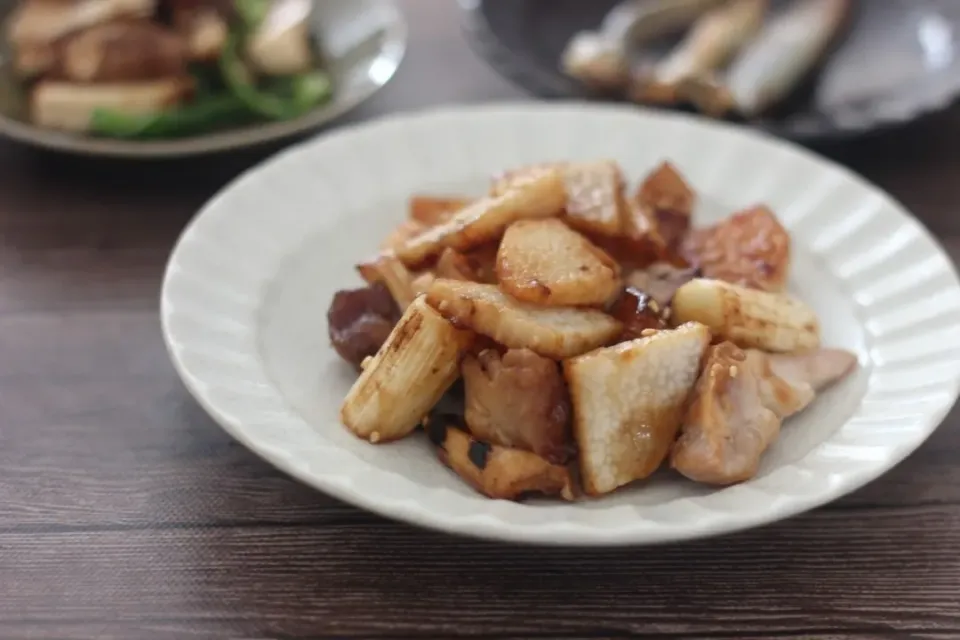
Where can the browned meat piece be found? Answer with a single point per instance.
(495, 471)
(750, 248)
(518, 400)
(120, 51)
(739, 403)
(661, 280)
(638, 312)
(665, 204)
(360, 320)
(36, 25)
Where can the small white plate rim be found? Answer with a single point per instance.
(492, 524)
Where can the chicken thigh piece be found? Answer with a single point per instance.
(518, 400)
(739, 404)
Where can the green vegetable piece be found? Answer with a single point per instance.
(252, 12)
(201, 116)
(286, 98)
(310, 89)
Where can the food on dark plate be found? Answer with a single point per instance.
(142, 69)
(737, 57)
(784, 53)
(710, 44)
(602, 58)
(598, 336)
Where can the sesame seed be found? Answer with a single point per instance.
(734, 371)
(646, 333)
(375, 437)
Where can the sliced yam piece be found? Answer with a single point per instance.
(434, 210)
(545, 262)
(595, 194)
(666, 202)
(551, 332)
(539, 195)
(389, 271)
(750, 248)
(747, 317)
(401, 234)
(595, 198)
(498, 472)
(505, 181)
(628, 402)
(408, 375)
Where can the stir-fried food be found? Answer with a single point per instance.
(733, 57)
(599, 336)
(142, 69)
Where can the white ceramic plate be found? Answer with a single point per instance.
(247, 288)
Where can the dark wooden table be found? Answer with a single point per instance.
(125, 512)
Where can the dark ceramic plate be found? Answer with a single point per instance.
(899, 60)
(363, 44)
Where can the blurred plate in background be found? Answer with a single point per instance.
(362, 43)
(898, 61)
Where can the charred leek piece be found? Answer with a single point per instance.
(601, 58)
(772, 66)
(711, 43)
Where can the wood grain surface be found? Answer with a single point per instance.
(126, 513)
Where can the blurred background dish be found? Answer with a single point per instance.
(154, 78)
(846, 67)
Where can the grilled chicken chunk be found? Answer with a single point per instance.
(518, 400)
(495, 471)
(739, 404)
(628, 401)
(120, 51)
(36, 25)
(750, 248)
(664, 205)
